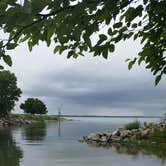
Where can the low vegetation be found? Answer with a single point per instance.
(36, 117)
(132, 125)
(155, 139)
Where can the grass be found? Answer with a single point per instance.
(132, 125)
(157, 139)
(158, 135)
(37, 117)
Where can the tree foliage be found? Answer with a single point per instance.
(9, 92)
(72, 25)
(34, 106)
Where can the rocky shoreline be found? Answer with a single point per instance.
(12, 121)
(121, 135)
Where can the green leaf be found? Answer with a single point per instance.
(157, 80)
(102, 38)
(135, 36)
(130, 35)
(121, 17)
(134, 25)
(105, 53)
(75, 55)
(56, 49)
(110, 31)
(118, 25)
(111, 47)
(131, 63)
(140, 60)
(11, 46)
(30, 45)
(7, 60)
(70, 53)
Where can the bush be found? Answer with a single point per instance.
(132, 125)
(149, 125)
(34, 106)
(158, 135)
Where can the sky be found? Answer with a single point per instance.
(88, 85)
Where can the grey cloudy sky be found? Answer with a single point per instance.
(88, 85)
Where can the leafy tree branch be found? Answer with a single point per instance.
(71, 25)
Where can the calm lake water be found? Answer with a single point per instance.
(45, 145)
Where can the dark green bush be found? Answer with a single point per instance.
(132, 125)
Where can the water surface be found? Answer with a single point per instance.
(46, 145)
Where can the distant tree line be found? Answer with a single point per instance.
(10, 93)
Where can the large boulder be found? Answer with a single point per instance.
(93, 137)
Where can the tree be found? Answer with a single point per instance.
(72, 25)
(9, 92)
(34, 106)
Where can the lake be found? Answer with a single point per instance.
(46, 145)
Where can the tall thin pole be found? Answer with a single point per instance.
(59, 121)
(59, 124)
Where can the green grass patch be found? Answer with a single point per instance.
(37, 117)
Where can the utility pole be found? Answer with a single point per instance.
(59, 121)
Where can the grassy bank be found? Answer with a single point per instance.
(37, 117)
(155, 139)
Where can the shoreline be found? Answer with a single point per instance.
(14, 120)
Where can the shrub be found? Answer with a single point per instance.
(149, 125)
(158, 135)
(132, 125)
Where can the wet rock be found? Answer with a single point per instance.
(103, 139)
(81, 140)
(115, 138)
(93, 136)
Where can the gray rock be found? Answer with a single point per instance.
(115, 133)
(145, 133)
(115, 138)
(81, 140)
(103, 139)
(93, 137)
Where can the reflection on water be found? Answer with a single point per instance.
(10, 153)
(35, 132)
(131, 149)
(136, 150)
(65, 150)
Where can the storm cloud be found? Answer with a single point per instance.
(89, 85)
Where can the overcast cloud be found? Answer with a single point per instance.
(88, 85)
